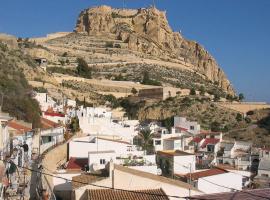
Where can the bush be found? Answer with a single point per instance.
(134, 91)
(147, 81)
(192, 91)
(113, 100)
(248, 120)
(74, 125)
(215, 126)
(65, 54)
(82, 69)
(239, 117)
(251, 112)
(109, 45)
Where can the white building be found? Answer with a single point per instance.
(264, 168)
(51, 135)
(214, 180)
(80, 147)
(45, 102)
(176, 162)
(99, 159)
(181, 123)
(99, 121)
(4, 135)
(131, 179)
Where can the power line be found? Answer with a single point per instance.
(106, 187)
(229, 187)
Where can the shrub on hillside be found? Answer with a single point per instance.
(82, 69)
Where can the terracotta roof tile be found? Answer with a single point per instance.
(20, 129)
(205, 173)
(257, 194)
(107, 194)
(209, 141)
(77, 163)
(47, 124)
(83, 179)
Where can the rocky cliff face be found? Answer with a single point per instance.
(148, 31)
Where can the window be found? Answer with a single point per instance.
(102, 161)
(191, 127)
(158, 142)
(265, 175)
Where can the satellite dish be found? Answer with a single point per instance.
(159, 171)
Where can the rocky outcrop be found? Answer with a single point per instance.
(148, 31)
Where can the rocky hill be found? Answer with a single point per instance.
(147, 31)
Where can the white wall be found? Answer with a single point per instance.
(229, 180)
(80, 149)
(182, 164)
(129, 181)
(182, 122)
(95, 157)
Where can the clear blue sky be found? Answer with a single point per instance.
(236, 32)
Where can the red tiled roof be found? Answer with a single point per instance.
(197, 139)
(107, 194)
(77, 163)
(18, 127)
(209, 141)
(47, 124)
(181, 128)
(256, 194)
(205, 173)
(53, 114)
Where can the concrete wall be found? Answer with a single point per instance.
(229, 180)
(182, 164)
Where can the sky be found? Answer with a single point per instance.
(235, 32)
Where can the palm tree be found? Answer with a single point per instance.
(146, 140)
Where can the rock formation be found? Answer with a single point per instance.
(148, 31)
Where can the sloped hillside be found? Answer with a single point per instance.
(14, 86)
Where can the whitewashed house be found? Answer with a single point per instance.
(80, 147)
(45, 101)
(182, 124)
(4, 135)
(175, 162)
(99, 121)
(51, 134)
(214, 180)
(264, 168)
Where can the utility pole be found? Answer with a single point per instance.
(154, 3)
(2, 100)
(189, 190)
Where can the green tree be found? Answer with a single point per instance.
(239, 117)
(146, 77)
(192, 91)
(74, 125)
(241, 97)
(215, 126)
(147, 140)
(134, 91)
(202, 90)
(82, 69)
